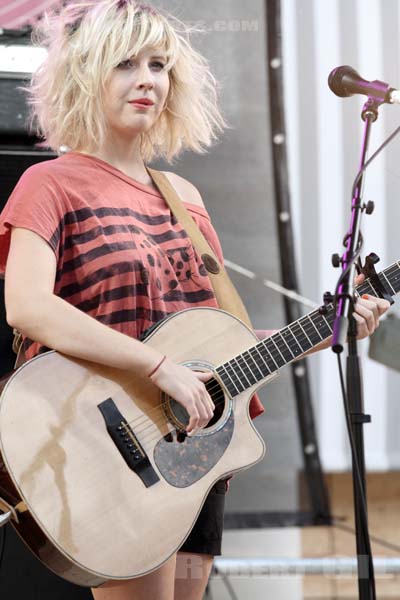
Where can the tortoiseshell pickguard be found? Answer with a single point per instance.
(183, 463)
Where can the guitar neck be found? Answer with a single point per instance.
(268, 356)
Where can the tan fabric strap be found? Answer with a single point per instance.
(227, 297)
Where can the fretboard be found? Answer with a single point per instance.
(268, 356)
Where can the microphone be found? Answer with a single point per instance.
(345, 81)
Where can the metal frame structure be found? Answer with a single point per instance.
(320, 507)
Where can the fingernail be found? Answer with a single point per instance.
(365, 296)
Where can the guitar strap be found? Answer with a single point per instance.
(227, 297)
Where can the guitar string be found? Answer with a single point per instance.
(145, 418)
(215, 387)
(218, 387)
(151, 424)
(148, 422)
(209, 390)
(161, 419)
(146, 440)
(159, 407)
(259, 363)
(155, 408)
(256, 359)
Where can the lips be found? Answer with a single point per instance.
(144, 101)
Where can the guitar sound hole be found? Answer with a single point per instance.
(178, 416)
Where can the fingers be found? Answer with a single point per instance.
(368, 311)
(200, 413)
(203, 376)
(202, 409)
(188, 388)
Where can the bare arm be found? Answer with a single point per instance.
(35, 311)
(38, 313)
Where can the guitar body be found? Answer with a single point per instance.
(90, 515)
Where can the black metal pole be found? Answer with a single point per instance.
(358, 419)
(314, 476)
(345, 326)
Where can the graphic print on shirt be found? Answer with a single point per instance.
(127, 269)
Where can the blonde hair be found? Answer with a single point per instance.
(86, 40)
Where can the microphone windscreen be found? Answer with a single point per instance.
(337, 83)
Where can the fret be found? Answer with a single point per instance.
(265, 367)
(234, 377)
(269, 355)
(251, 359)
(383, 276)
(226, 367)
(311, 330)
(291, 341)
(236, 367)
(275, 339)
(330, 316)
(226, 380)
(322, 325)
(363, 288)
(274, 351)
(393, 274)
(267, 360)
(283, 347)
(307, 341)
(251, 376)
(371, 289)
(326, 319)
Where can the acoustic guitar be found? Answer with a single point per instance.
(97, 471)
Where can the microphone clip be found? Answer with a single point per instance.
(370, 108)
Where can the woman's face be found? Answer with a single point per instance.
(141, 77)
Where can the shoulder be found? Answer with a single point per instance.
(42, 173)
(186, 190)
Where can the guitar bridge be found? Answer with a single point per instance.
(127, 443)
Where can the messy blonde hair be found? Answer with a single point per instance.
(86, 40)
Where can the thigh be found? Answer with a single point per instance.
(158, 585)
(192, 574)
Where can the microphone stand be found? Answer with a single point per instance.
(345, 326)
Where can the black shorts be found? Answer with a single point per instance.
(206, 535)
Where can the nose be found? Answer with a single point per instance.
(144, 77)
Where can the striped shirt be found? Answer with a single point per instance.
(122, 257)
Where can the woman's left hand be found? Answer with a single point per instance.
(367, 312)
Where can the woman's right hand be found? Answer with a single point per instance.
(186, 387)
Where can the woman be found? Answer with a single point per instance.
(93, 255)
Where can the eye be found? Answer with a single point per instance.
(158, 64)
(130, 62)
(125, 64)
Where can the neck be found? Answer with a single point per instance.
(124, 156)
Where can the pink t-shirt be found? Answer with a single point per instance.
(122, 257)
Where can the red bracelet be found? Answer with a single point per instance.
(157, 367)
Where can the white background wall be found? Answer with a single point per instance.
(324, 136)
